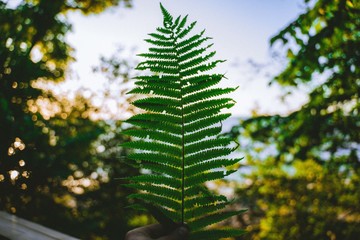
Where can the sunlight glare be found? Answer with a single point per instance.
(36, 55)
(14, 174)
(11, 151)
(25, 174)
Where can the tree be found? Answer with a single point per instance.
(45, 140)
(303, 184)
(102, 210)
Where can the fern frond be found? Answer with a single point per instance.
(195, 86)
(171, 93)
(162, 190)
(201, 114)
(156, 56)
(156, 125)
(185, 31)
(155, 179)
(168, 51)
(208, 165)
(162, 79)
(164, 30)
(176, 22)
(164, 169)
(203, 200)
(160, 43)
(187, 48)
(157, 64)
(199, 69)
(208, 93)
(200, 190)
(204, 133)
(207, 143)
(157, 158)
(182, 24)
(158, 84)
(153, 146)
(178, 138)
(190, 40)
(203, 177)
(211, 219)
(196, 61)
(207, 155)
(158, 68)
(193, 107)
(205, 122)
(192, 54)
(167, 16)
(154, 135)
(170, 203)
(159, 101)
(157, 117)
(158, 105)
(159, 37)
(205, 210)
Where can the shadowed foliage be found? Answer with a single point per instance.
(307, 165)
(50, 171)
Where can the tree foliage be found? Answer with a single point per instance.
(304, 181)
(50, 171)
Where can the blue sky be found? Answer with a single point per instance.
(240, 29)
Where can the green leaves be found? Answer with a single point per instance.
(314, 149)
(176, 139)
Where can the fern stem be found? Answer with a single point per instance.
(182, 166)
(182, 152)
(182, 135)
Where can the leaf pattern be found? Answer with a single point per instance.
(177, 138)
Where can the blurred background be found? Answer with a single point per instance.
(65, 66)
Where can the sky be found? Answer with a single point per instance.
(241, 30)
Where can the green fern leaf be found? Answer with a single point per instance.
(210, 143)
(163, 191)
(193, 53)
(156, 179)
(164, 201)
(211, 219)
(192, 39)
(154, 135)
(212, 164)
(154, 146)
(172, 93)
(156, 158)
(159, 36)
(199, 201)
(162, 169)
(205, 210)
(159, 43)
(177, 138)
(185, 31)
(182, 24)
(204, 133)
